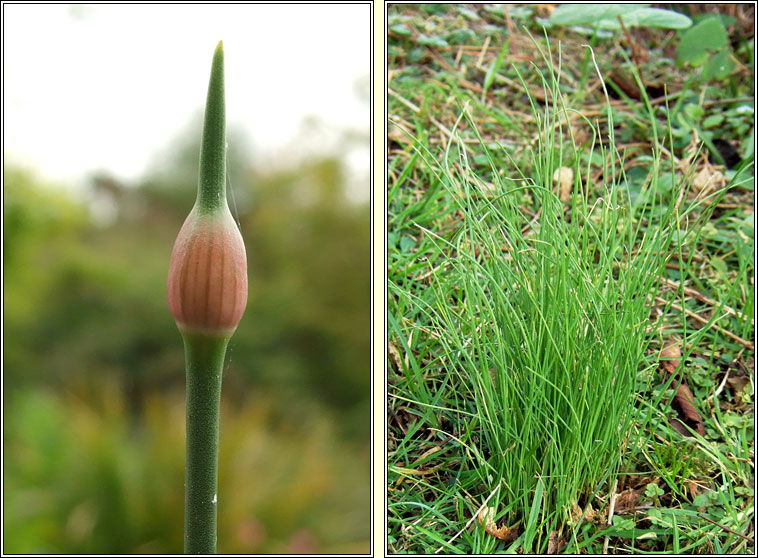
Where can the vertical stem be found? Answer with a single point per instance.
(205, 360)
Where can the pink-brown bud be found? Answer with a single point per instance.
(207, 277)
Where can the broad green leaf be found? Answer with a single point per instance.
(748, 146)
(655, 17)
(400, 29)
(622, 524)
(702, 500)
(415, 55)
(459, 36)
(467, 13)
(407, 244)
(693, 112)
(434, 41)
(719, 66)
(496, 9)
(706, 37)
(584, 14)
(682, 121)
(433, 8)
(606, 16)
(713, 121)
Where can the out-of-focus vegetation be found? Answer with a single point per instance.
(94, 370)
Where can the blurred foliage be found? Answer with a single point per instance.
(83, 477)
(94, 368)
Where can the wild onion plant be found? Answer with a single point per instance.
(544, 321)
(207, 295)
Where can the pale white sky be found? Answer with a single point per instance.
(110, 87)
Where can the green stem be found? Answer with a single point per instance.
(211, 189)
(204, 355)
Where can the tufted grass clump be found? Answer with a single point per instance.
(540, 323)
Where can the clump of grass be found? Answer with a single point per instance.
(543, 321)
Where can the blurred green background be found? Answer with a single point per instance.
(93, 371)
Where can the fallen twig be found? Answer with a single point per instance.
(702, 298)
(727, 529)
(610, 514)
(721, 330)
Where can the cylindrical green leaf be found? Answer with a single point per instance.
(211, 193)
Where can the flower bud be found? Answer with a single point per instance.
(207, 278)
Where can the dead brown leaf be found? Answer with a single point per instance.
(739, 377)
(487, 518)
(708, 179)
(399, 134)
(629, 87)
(693, 488)
(564, 177)
(578, 515)
(671, 354)
(402, 418)
(683, 402)
(750, 365)
(396, 361)
(544, 10)
(555, 542)
(627, 500)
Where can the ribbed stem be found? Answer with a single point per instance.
(211, 192)
(204, 356)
